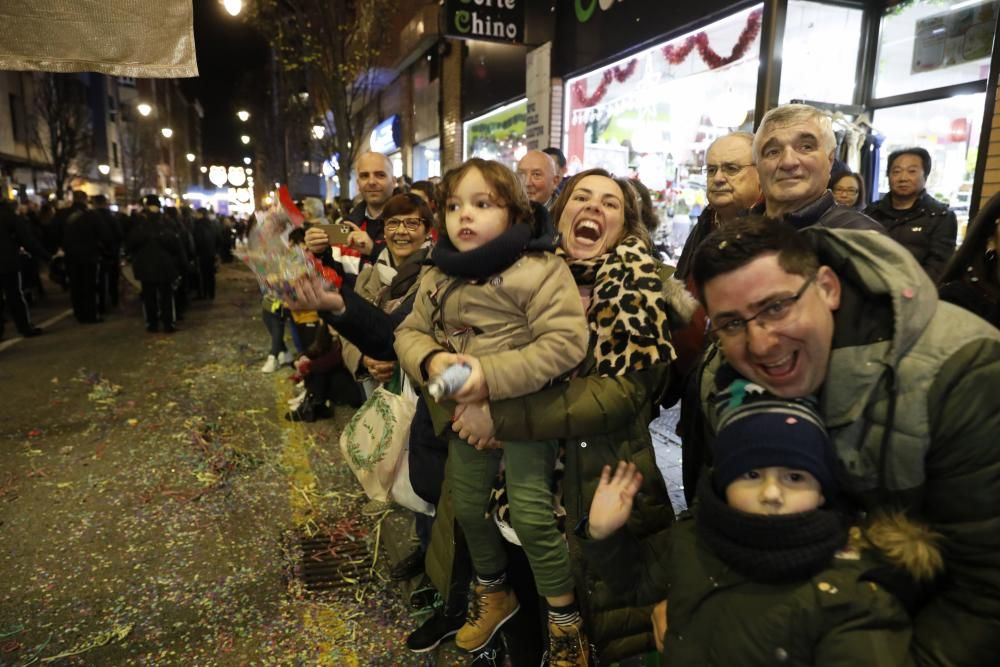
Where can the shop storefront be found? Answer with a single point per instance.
(498, 135)
(929, 90)
(914, 73)
(653, 114)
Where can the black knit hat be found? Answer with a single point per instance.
(759, 430)
(151, 200)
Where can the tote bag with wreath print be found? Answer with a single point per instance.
(376, 437)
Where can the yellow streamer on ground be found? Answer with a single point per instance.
(319, 619)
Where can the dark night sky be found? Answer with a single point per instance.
(232, 57)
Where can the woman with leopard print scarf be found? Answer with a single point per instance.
(603, 413)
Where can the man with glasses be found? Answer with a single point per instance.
(925, 226)
(794, 153)
(732, 187)
(906, 385)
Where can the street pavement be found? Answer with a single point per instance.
(151, 495)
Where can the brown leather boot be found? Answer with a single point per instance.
(489, 608)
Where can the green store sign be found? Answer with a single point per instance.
(585, 8)
(493, 20)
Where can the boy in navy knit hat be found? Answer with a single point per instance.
(766, 554)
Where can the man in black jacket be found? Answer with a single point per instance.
(84, 240)
(110, 269)
(156, 252)
(14, 235)
(732, 187)
(922, 224)
(207, 237)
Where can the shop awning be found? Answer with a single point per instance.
(135, 38)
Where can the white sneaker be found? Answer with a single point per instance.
(285, 358)
(270, 365)
(297, 400)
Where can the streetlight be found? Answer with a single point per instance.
(190, 157)
(203, 169)
(144, 109)
(243, 115)
(234, 7)
(318, 131)
(246, 160)
(167, 132)
(104, 169)
(249, 171)
(245, 138)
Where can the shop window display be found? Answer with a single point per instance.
(820, 38)
(927, 44)
(498, 135)
(653, 115)
(949, 129)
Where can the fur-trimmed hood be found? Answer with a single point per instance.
(679, 299)
(903, 542)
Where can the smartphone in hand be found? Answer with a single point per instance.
(337, 234)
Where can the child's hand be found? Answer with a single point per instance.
(474, 390)
(474, 424)
(439, 362)
(612, 502)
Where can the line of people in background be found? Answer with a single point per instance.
(173, 252)
(816, 317)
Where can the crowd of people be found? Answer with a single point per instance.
(835, 362)
(837, 417)
(173, 252)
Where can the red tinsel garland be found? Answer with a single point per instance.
(675, 55)
(619, 74)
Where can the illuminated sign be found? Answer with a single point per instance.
(386, 137)
(495, 20)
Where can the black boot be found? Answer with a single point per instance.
(437, 628)
(309, 410)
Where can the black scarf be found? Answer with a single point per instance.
(495, 256)
(407, 274)
(767, 548)
(487, 260)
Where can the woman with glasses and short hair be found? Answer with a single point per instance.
(848, 190)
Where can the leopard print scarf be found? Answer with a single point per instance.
(628, 314)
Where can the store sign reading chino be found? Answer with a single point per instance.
(499, 20)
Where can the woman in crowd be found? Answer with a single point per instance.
(603, 413)
(848, 190)
(972, 277)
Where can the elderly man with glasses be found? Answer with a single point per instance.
(905, 384)
(732, 187)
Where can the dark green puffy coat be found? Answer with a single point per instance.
(603, 420)
(717, 617)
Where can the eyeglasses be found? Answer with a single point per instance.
(411, 224)
(846, 191)
(728, 169)
(772, 313)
